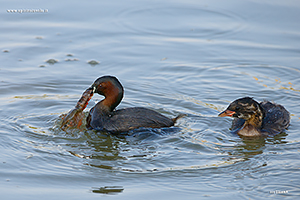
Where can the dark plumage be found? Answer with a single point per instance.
(103, 117)
(257, 119)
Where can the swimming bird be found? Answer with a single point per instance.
(104, 117)
(257, 119)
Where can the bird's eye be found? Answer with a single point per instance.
(237, 108)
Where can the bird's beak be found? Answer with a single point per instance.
(93, 88)
(227, 113)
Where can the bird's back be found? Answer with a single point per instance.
(276, 118)
(126, 119)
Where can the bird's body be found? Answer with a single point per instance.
(257, 119)
(104, 117)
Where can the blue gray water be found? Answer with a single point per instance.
(176, 57)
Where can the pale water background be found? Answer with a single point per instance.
(183, 56)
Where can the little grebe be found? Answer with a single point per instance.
(103, 117)
(257, 119)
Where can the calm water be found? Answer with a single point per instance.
(190, 57)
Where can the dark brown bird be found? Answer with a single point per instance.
(104, 117)
(257, 119)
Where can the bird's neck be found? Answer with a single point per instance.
(256, 119)
(112, 100)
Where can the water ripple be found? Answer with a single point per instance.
(181, 21)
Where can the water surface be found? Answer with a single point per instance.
(176, 57)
